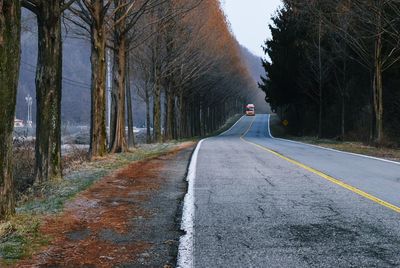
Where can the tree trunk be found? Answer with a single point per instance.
(147, 100)
(131, 135)
(10, 25)
(378, 103)
(157, 109)
(164, 115)
(110, 97)
(372, 131)
(98, 135)
(48, 93)
(118, 141)
(343, 117)
(378, 85)
(170, 116)
(321, 104)
(182, 115)
(343, 95)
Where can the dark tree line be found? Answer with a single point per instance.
(179, 55)
(333, 68)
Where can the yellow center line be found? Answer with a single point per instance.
(321, 174)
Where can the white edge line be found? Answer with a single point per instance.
(330, 149)
(223, 133)
(186, 241)
(269, 128)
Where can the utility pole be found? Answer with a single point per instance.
(28, 100)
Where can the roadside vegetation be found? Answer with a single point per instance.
(228, 124)
(20, 237)
(278, 130)
(332, 71)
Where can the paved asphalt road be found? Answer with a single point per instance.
(255, 209)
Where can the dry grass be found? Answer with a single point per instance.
(74, 159)
(118, 198)
(24, 162)
(228, 124)
(387, 150)
(20, 235)
(354, 147)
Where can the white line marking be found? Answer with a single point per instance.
(186, 242)
(330, 149)
(223, 133)
(269, 128)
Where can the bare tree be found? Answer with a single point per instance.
(126, 15)
(374, 36)
(94, 17)
(10, 27)
(48, 86)
(192, 63)
(129, 112)
(161, 24)
(144, 80)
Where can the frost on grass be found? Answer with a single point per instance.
(19, 236)
(90, 228)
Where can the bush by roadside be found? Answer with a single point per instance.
(24, 162)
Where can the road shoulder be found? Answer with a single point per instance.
(129, 218)
(355, 147)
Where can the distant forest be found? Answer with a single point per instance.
(334, 69)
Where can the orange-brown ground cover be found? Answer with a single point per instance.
(110, 204)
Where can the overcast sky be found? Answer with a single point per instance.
(249, 21)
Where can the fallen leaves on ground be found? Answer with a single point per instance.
(107, 207)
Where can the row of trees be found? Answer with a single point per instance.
(334, 68)
(192, 69)
(179, 55)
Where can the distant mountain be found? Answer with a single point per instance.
(254, 64)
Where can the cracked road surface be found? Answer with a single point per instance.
(255, 209)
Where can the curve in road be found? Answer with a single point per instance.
(254, 209)
(373, 178)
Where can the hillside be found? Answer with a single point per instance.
(253, 63)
